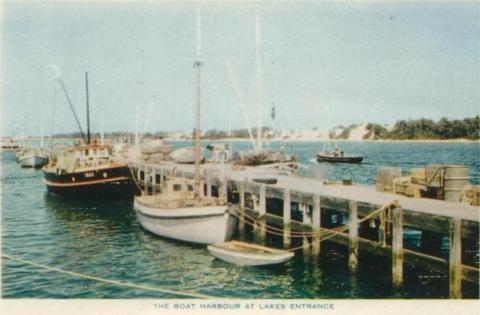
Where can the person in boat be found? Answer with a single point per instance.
(341, 153)
(336, 153)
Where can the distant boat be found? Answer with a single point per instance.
(186, 155)
(10, 146)
(34, 158)
(338, 157)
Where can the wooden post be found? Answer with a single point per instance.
(316, 224)
(397, 246)
(353, 234)
(209, 186)
(306, 221)
(225, 188)
(286, 218)
(455, 259)
(241, 223)
(262, 210)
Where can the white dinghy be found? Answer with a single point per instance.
(246, 254)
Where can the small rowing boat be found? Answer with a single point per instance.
(246, 254)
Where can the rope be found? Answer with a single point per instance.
(323, 234)
(115, 282)
(133, 177)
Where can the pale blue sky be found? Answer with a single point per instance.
(355, 62)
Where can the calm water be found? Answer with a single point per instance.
(103, 239)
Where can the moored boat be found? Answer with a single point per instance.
(33, 158)
(10, 146)
(338, 157)
(88, 170)
(246, 254)
(177, 214)
(181, 211)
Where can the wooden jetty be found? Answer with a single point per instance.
(316, 199)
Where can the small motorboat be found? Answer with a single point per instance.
(247, 254)
(338, 157)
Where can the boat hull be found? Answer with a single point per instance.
(202, 225)
(339, 159)
(34, 161)
(107, 182)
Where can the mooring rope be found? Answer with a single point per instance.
(134, 179)
(114, 282)
(322, 235)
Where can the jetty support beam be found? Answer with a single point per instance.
(353, 235)
(316, 224)
(455, 259)
(397, 246)
(262, 211)
(287, 240)
(241, 197)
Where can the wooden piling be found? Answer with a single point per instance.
(241, 197)
(397, 246)
(353, 236)
(316, 224)
(262, 211)
(225, 188)
(286, 219)
(306, 221)
(208, 181)
(455, 259)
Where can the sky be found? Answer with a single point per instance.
(323, 63)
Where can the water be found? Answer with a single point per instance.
(102, 238)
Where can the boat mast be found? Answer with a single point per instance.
(88, 108)
(240, 101)
(102, 135)
(197, 64)
(72, 108)
(259, 82)
(53, 114)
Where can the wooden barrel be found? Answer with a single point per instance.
(455, 178)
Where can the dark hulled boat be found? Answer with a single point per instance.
(338, 158)
(88, 170)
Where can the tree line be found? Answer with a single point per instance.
(418, 129)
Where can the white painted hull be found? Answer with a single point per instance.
(203, 225)
(35, 161)
(248, 259)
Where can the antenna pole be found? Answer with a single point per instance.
(88, 108)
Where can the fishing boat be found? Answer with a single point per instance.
(246, 254)
(181, 211)
(10, 146)
(88, 169)
(338, 157)
(34, 158)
